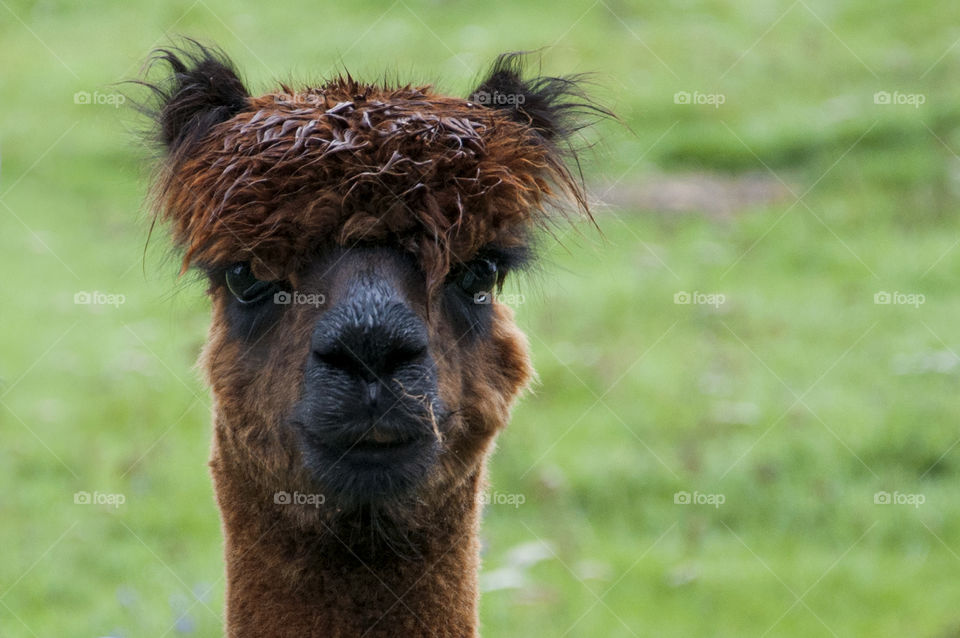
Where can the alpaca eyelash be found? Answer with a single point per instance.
(470, 312)
(217, 275)
(507, 259)
(512, 258)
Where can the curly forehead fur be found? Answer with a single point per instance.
(271, 179)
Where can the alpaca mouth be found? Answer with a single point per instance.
(381, 444)
(378, 444)
(368, 471)
(381, 437)
(362, 462)
(357, 444)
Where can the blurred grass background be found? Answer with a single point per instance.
(796, 400)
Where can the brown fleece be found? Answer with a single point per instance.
(284, 180)
(441, 177)
(304, 571)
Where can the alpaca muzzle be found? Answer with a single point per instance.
(369, 409)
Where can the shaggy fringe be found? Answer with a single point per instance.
(271, 179)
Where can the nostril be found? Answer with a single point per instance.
(404, 354)
(369, 343)
(371, 367)
(371, 363)
(336, 358)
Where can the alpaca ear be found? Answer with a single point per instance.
(202, 91)
(553, 106)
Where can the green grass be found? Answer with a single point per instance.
(797, 399)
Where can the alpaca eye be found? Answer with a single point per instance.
(479, 278)
(244, 286)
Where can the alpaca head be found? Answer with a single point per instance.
(355, 237)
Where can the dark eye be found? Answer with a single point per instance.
(478, 279)
(244, 286)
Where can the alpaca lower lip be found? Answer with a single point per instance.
(369, 447)
(364, 473)
(377, 436)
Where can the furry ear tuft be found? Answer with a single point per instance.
(555, 107)
(202, 91)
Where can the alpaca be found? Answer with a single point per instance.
(354, 237)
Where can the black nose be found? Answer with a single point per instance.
(370, 410)
(370, 336)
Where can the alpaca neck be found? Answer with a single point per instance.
(282, 581)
